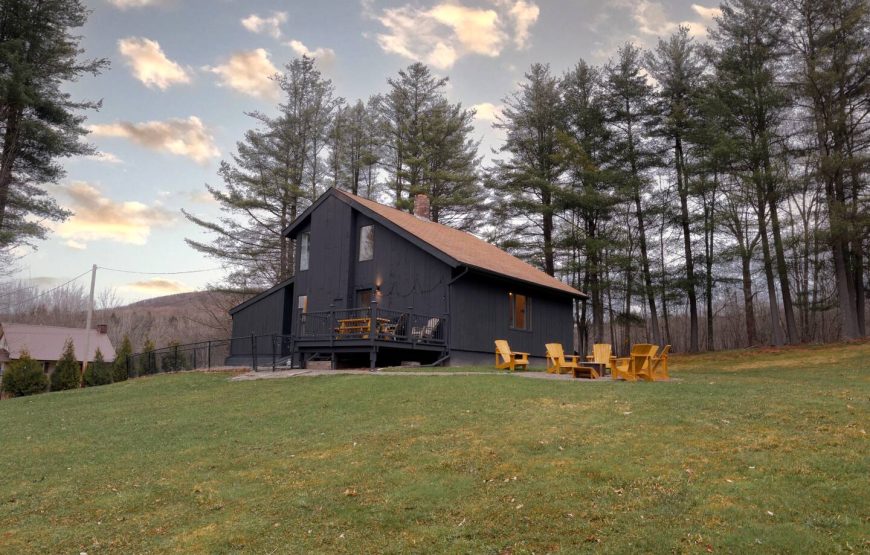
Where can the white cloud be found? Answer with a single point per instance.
(267, 25)
(158, 286)
(323, 55)
(486, 111)
(183, 137)
(652, 20)
(105, 157)
(97, 217)
(249, 72)
(449, 30)
(150, 65)
(125, 4)
(524, 15)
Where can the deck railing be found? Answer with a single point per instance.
(371, 323)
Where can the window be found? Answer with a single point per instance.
(303, 304)
(366, 242)
(519, 312)
(304, 249)
(363, 298)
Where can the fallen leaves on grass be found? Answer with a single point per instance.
(350, 492)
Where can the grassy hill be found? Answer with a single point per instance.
(745, 451)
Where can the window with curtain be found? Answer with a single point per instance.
(366, 242)
(519, 312)
(304, 249)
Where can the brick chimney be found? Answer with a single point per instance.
(421, 207)
(102, 329)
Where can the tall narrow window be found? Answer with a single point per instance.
(304, 248)
(519, 312)
(303, 304)
(366, 242)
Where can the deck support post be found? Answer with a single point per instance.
(373, 358)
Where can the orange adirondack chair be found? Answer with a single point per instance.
(602, 354)
(660, 365)
(505, 359)
(557, 361)
(637, 364)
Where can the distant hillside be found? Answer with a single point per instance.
(176, 300)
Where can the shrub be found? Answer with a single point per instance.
(174, 360)
(98, 372)
(146, 363)
(24, 377)
(119, 368)
(67, 373)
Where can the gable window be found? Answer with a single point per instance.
(304, 249)
(519, 312)
(366, 242)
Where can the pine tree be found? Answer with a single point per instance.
(40, 123)
(147, 363)
(588, 194)
(276, 173)
(748, 49)
(412, 95)
(677, 67)
(830, 41)
(119, 367)
(98, 371)
(527, 178)
(67, 373)
(24, 377)
(630, 114)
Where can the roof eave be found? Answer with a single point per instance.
(574, 293)
(261, 295)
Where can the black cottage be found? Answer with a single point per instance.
(374, 285)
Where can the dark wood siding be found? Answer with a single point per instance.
(407, 276)
(269, 315)
(480, 314)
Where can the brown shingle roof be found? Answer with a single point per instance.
(47, 342)
(464, 247)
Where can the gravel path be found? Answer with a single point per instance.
(268, 375)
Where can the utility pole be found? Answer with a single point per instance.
(87, 354)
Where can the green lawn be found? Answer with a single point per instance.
(742, 452)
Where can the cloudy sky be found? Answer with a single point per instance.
(185, 71)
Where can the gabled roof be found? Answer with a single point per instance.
(463, 249)
(47, 342)
(259, 296)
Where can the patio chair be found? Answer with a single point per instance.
(642, 361)
(637, 364)
(660, 365)
(505, 359)
(557, 361)
(427, 331)
(602, 354)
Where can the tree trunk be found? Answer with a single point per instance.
(776, 338)
(683, 190)
(7, 160)
(782, 270)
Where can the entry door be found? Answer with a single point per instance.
(363, 298)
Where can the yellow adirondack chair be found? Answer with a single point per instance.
(505, 359)
(637, 364)
(602, 354)
(660, 365)
(560, 363)
(643, 362)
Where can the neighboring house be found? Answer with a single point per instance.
(374, 285)
(46, 343)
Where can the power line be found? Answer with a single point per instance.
(158, 273)
(16, 305)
